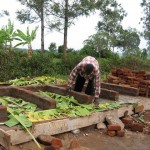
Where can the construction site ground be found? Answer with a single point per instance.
(95, 139)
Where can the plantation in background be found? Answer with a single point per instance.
(17, 64)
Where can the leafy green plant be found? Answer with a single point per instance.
(26, 38)
(7, 34)
(35, 81)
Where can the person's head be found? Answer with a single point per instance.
(89, 68)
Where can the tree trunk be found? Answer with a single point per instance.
(42, 29)
(29, 50)
(10, 47)
(65, 29)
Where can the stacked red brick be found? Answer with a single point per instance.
(115, 126)
(131, 78)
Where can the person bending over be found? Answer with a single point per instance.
(86, 70)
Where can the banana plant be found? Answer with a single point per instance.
(26, 38)
(8, 34)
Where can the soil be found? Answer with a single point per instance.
(97, 140)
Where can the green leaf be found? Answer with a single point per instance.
(11, 122)
(21, 121)
(141, 119)
(82, 111)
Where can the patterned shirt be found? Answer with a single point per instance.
(79, 69)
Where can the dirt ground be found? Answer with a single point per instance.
(95, 139)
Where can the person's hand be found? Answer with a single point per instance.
(68, 89)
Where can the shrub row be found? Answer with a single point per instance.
(17, 64)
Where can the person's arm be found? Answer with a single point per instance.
(97, 85)
(72, 76)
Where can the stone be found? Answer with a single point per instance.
(139, 108)
(101, 126)
(76, 131)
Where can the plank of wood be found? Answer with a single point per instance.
(121, 89)
(109, 94)
(105, 94)
(30, 96)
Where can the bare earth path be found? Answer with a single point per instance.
(96, 140)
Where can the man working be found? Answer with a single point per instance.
(87, 69)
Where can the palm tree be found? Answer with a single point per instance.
(26, 38)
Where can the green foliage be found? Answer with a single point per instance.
(146, 20)
(35, 81)
(7, 35)
(106, 64)
(88, 49)
(128, 41)
(137, 63)
(17, 64)
(52, 47)
(60, 49)
(26, 38)
(69, 107)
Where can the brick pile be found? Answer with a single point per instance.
(115, 126)
(131, 124)
(131, 78)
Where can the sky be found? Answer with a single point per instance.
(83, 28)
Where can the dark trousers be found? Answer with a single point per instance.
(80, 83)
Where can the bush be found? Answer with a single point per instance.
(135, 63)
(16, 64)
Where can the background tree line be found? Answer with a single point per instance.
(60, 15)
(112, 45)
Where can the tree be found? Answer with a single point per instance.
(144, 54)
(129, 41)
(65, 12)
(26, 38)
(60, 49)
(109, 26)
(35, 12)
(146, 21)
(4, 13)
(52, 47)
